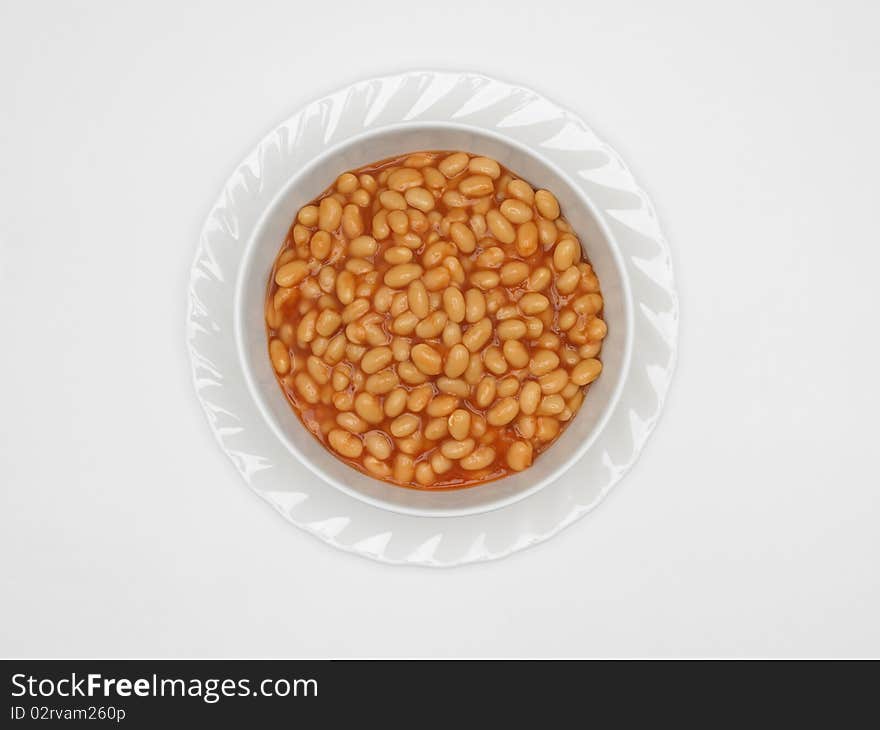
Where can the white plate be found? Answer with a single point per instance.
(409, 102)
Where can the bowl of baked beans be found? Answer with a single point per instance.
(434, 320)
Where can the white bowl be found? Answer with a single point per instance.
(244, 228)
(600, 248)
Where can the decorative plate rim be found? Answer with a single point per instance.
(228, 218)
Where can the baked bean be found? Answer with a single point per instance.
(308, 215)
(433, 177)
(519, 455)
(417, 299)
(494, 360)
(516, 211)
(551, 405)
(280, 356)
(533, 303)
(300, 234)
(345, 285)
(527, 239)
(378, 444)
(514, 272)
(404, 425)
(454, 164)
(398, 255)
(395, 402)
(586, 371)
(439, 463)
(420, 199)
(329, 214)
(360, 197)
(442, 405)
(318, 369)
(335, 349)
(403, 468)
(484, 166)
(454, 199)
(453, 386)
(459, 424)
(305, 332)
(340, 378)
(457, 449)
(401, 275)
(568, 280)
(463, 237)
(346, 183)
(436, 279)
(566, 254)
(418, 398)
(319, 345)
(291, 273)
(410, 444)
(351, 422)
(343, 401)
(554, 381)
(427, 359)
(376, 467)
(511, 329)
(381, 382)
(500, 227)
(503, 412)
(477, 334)
(352, 224)
(534, 328)
(476, 185)
(547, 232)
(398, 222)
(485, 280)
(516, 354)
(475, 305)
(475, 370)
(345, 443)
(403, 179)
(478, 459)
(597, 329)
(547, 204)
(431, 326)
(547, 428)
(357, 309)
(567, 319)
(392, 200)
(540, 278)
(521, 190)
(491, 257)
(362, 246)
(367, 406)
(436, 429)
(485, 392)
(435, 253)
(380, 228)
(306, 387)
(526, 426)
(376, 359)
(453, 304)
(447, 338)
(587, 304)
(410, 374)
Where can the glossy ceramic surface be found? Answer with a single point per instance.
(374, 119)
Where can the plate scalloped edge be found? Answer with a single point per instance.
(514, 112)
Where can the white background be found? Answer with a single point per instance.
(748, 527)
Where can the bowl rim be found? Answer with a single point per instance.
(256, 392)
